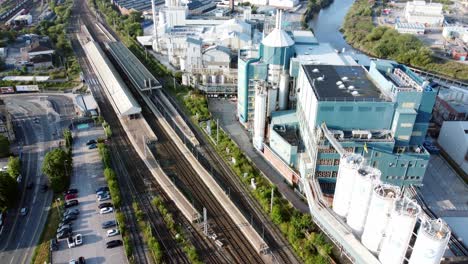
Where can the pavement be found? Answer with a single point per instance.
(87, 177)
(445, 193)
(226, 111)
(38, 122)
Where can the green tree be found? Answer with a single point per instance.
(4, 146)
(14, 167)
(8, 190)
(57, 166)
(68, 138)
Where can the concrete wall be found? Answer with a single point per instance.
(454, 141)
(289, 174)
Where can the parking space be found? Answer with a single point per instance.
(87, 177)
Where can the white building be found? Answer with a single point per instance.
(410, 28)
(460, 32)
(424, 13)
(216, 58)
(453, 138)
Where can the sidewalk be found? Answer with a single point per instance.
(226, 111)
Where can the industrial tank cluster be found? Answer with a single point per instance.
(383, 218)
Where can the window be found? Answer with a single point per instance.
(375, 164)
(380, 109)
(403, 137)
(410, 164)
(364, 109)
(406, 125)
(346, 108)
(416, 133)
(377, 154)
(327, 108)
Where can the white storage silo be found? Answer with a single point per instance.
(399, 230)
(221, 79)
(185, 79)
(259, 118)
(213, 79)
(272, 97)
(204, 78)
(283, 91)
(381, 203)
(349, 164)
(433, 236)
(360, 198)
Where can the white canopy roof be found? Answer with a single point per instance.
(278, 38)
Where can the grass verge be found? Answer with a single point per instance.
(42, 252)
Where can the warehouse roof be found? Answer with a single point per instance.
(120, 97)
(341, 83)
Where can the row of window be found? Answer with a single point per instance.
(403, 177)
(409, 164)
(351, 108)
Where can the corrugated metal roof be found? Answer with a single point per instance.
(121, 98)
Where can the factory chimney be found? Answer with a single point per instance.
(155, 27)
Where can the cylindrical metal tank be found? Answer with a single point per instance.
(399, 230)
(360, 198)
(283, 91)
(382, 199)
(204, 78)
(433, 237)
(221, 79)
(349, 164)
(259, 118)
(272, 97)
(213, 79)
(185, 79)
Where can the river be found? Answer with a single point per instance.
(327, 24)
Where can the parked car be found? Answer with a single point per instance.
(113, 243)
(71, 203)
(69, 218)
(70, 196)
(92, 146)
(81, 260)
(109, 224)
(70, 242)
(100, 206)
(91, 142)
(78, 240)
(44, 188)
(101, 193)
(112, 232)
(71, 211)
(62, 224)
(53, 244)
(24, 211)
(71, 191)
(64, 234)
(104, 198)
(63, 228)
(102, 189)
(106, 210)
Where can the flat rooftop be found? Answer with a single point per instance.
(342, 83)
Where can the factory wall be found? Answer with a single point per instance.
(283, 168)
(286, 151)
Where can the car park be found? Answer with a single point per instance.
(106, 210)
(71, 203)
(71, 196)
(109, 224)
(104, 198)
(91, 142)
(70, 242)
(112, 232)
(24, 211)
(78, 240)
(113, 243)
(102, 205)
(101, 193)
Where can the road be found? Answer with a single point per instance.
(38, 124)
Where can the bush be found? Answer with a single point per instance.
(14, 167)
(8, 191)
(57, 165)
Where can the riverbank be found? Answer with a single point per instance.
(313, 7)
(386, 43)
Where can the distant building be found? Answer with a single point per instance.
(424, 13)
(410, 28)
(85, 105)
(450, 105)
(382, 114)
(453, 139)
(6, 124)
(459, 53)
(451, 32)
(39, 53)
